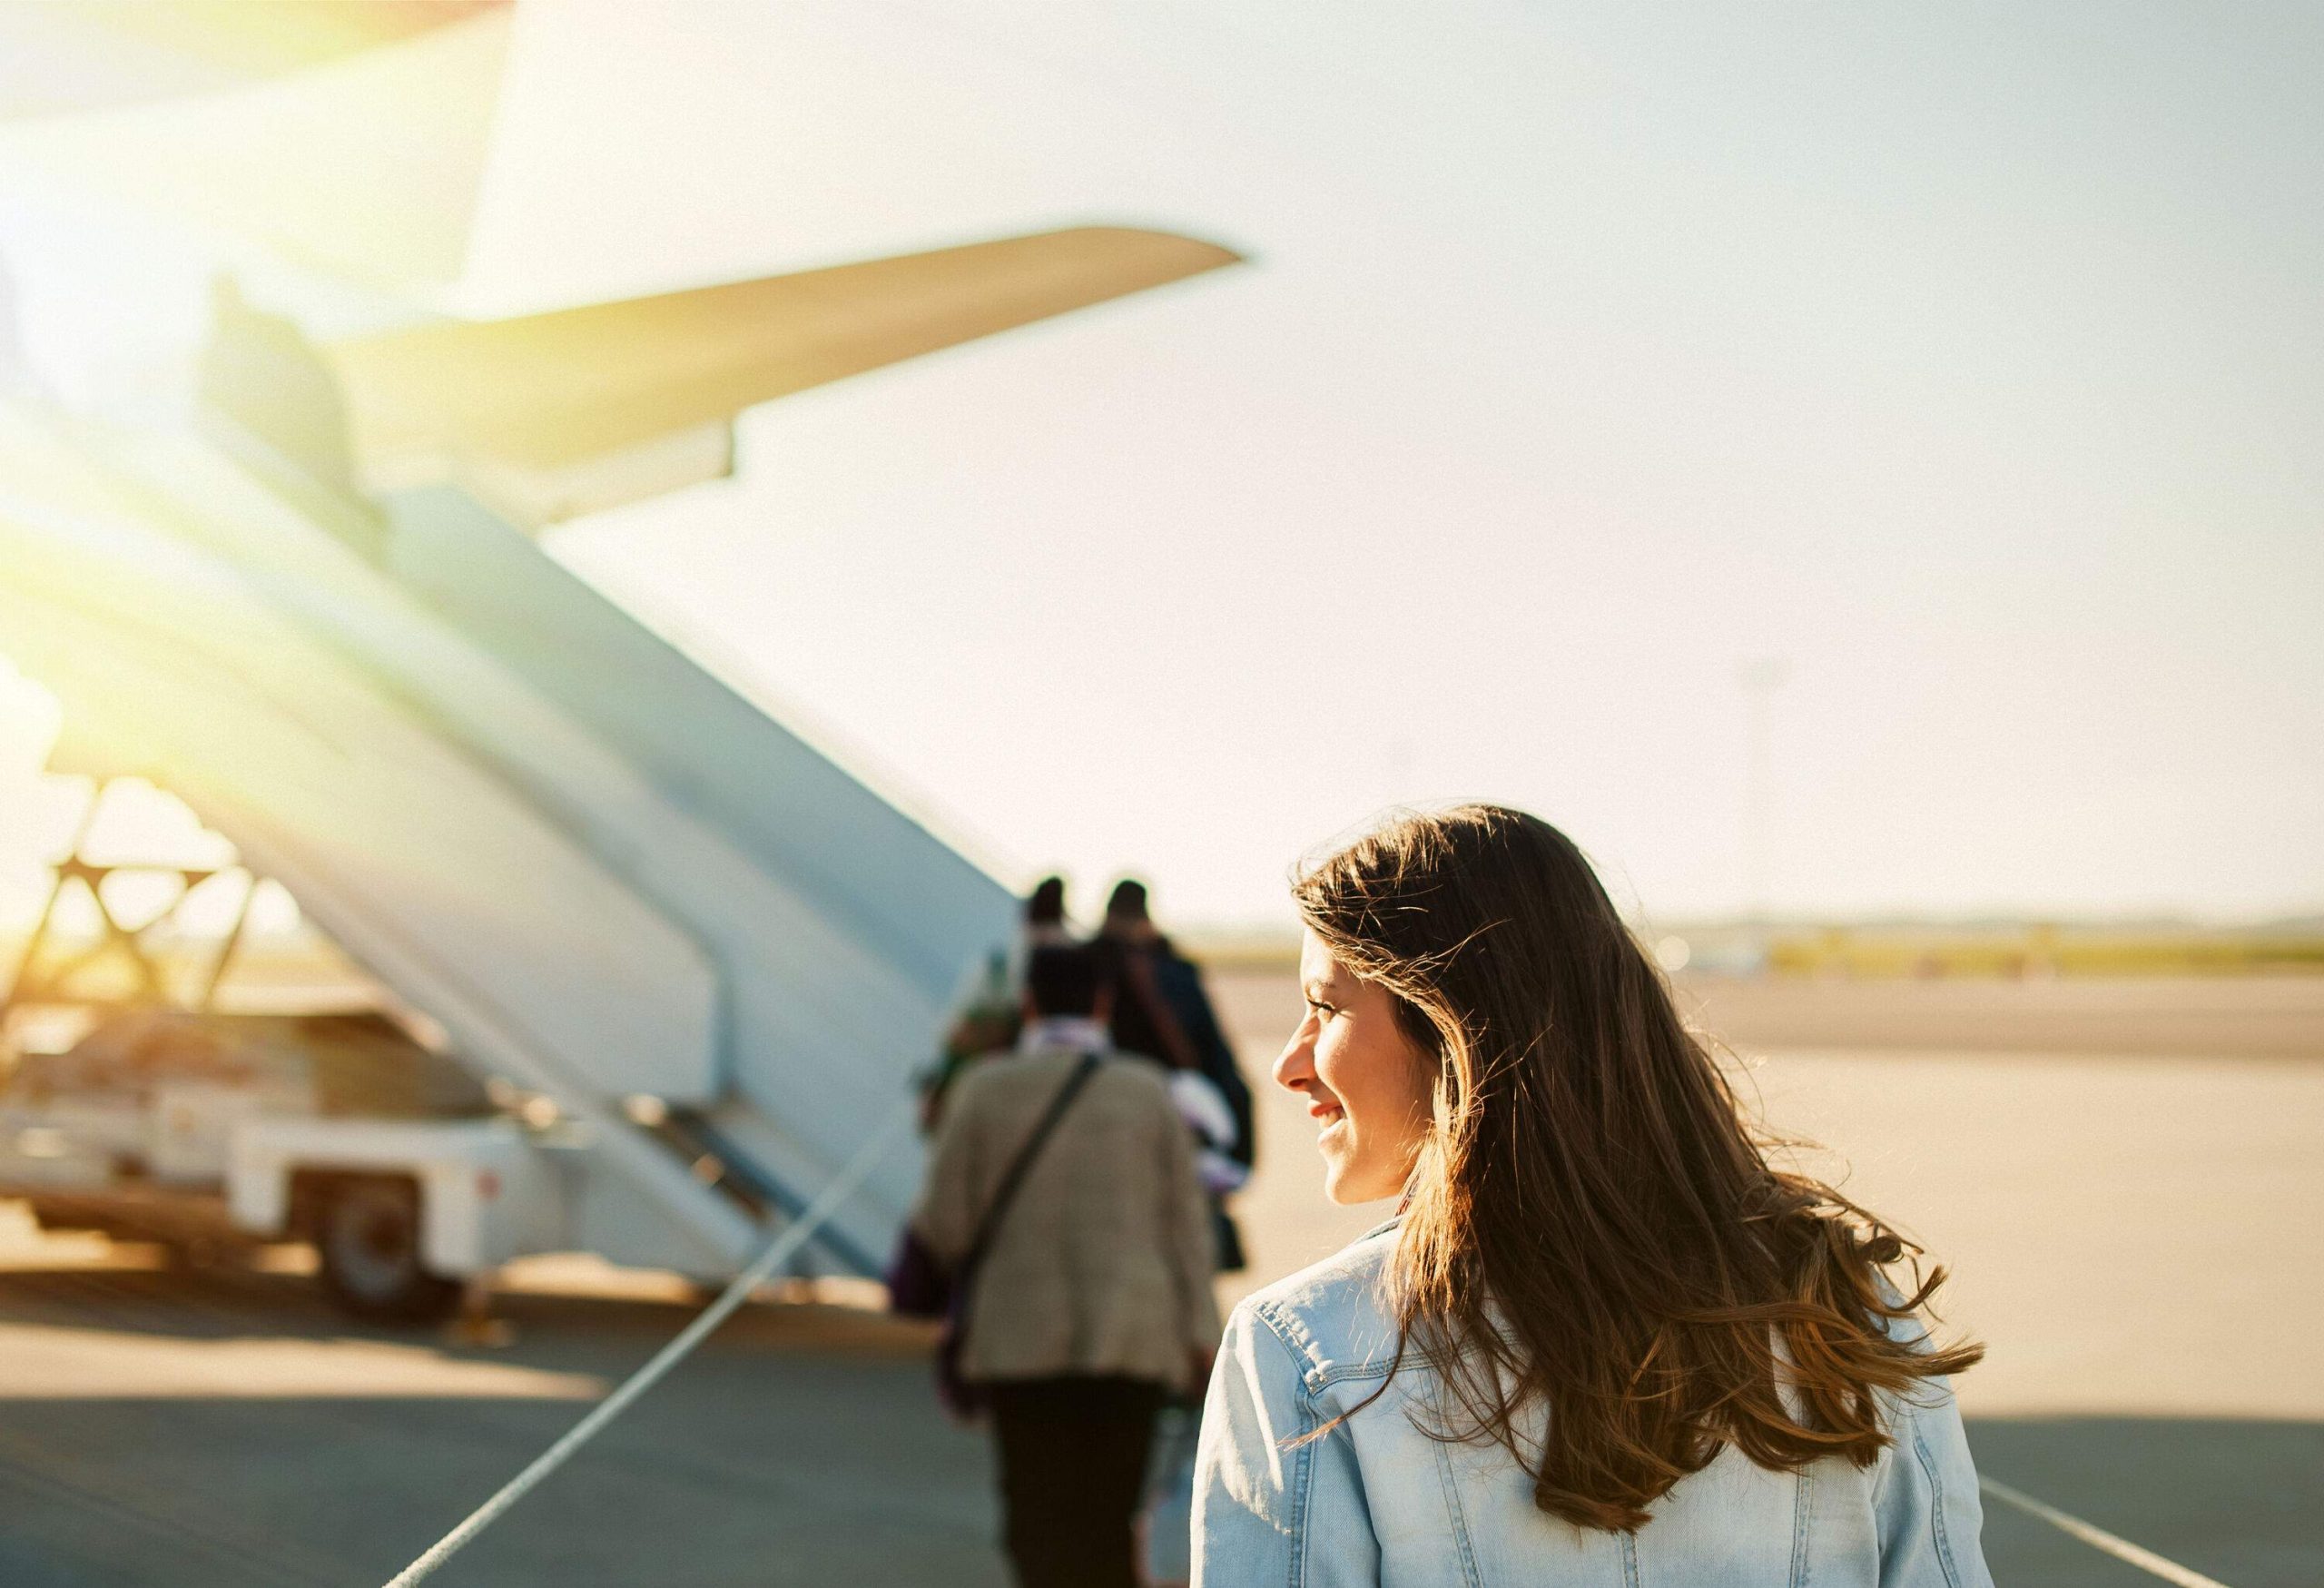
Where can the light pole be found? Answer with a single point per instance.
(1760, 677)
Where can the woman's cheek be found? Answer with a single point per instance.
(1330, 1064)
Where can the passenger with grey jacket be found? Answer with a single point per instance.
(1091, 1299)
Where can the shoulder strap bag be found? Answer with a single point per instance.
(959, 1396)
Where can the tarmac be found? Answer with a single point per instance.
(2131, 1233)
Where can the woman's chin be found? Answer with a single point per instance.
(1335, 1181)
(1350, 1189)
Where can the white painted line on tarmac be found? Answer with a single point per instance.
(2098, 1538)
(796, 1234)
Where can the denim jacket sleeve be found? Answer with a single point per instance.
(1275, 1508)
(1925, 1502)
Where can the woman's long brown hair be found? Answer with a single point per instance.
(1597, 1259)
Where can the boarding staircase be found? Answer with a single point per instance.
(612, 879)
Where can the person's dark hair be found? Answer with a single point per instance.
(1597, 1257)
(1065, 979)
(1127, 901)
(1045, 906)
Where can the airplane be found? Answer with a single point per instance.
(310, 600)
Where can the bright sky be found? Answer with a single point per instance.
(1968, 357)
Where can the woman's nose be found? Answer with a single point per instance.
(1295, 1065)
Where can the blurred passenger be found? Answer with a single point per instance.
(1602, 1338)
(993, 1013)
(1163, 1011)
(1045, 923)
(1061, 1195)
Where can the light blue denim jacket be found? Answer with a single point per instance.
(1376, 1501)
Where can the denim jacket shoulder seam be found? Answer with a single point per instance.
(1317, 1370)
(1290, 1332)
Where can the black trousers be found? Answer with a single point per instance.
(1072, 1468)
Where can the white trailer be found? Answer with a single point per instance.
(403, 1212)
(204, 1130)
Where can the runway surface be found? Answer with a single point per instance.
(2130, 1230)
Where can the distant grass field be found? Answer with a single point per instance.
(1896, 953)
(2042, 950)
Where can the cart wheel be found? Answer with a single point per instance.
(368, 1238)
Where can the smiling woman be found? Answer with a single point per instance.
(1603, 1339)
(1366, 1080)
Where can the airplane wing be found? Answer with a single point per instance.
(551, 415)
